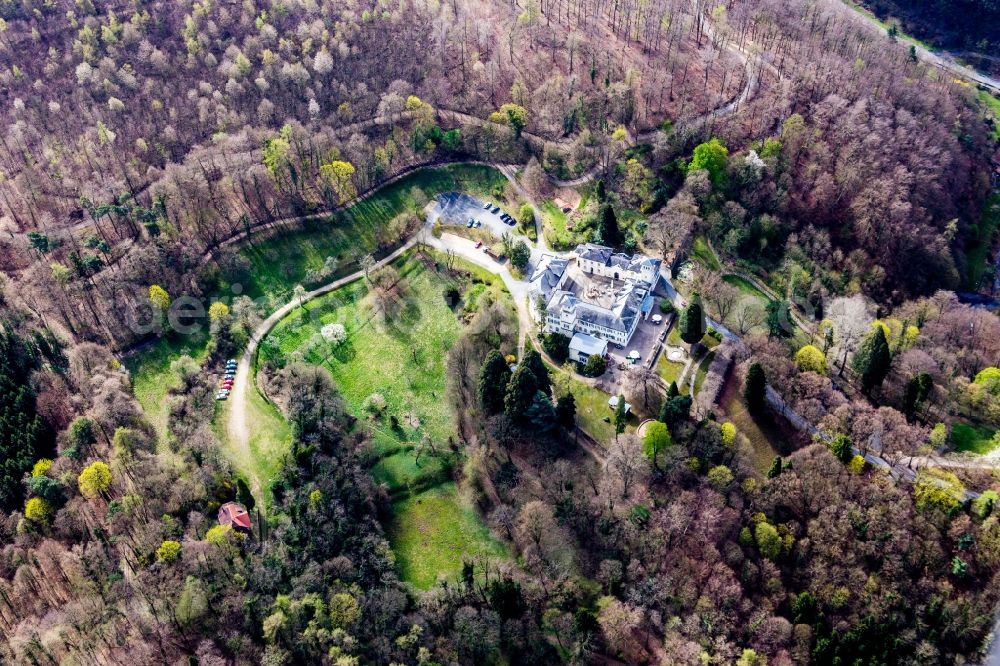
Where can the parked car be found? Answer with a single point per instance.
(478, 224)
(487, 205)
(479, 244)
(221, 396)
(496, 209)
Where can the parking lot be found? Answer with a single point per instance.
(457, 209)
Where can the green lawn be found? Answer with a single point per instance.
(405, 363)
(973, 438)
(434, 531)
(762, 436)
(669, 370)
(992, 104)
(674, 337)
(592, 410)
(432, 527)
(151, 374)
(748, 288)
(699, 377)
(978, 255)
(702, 253)
(554, 227)
(278, 263)
(402, 473)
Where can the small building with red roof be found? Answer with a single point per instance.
(235, 515)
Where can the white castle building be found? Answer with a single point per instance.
(625, 299)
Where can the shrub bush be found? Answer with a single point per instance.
(594, 367)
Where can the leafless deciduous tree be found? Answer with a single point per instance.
(749, 315)
(851, 320)
(626, 466)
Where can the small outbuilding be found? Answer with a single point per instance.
(583, 346)
(235, 515)
(613, 404)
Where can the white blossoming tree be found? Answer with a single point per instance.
(334, 333)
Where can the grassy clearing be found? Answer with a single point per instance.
(699, 377)
(404, 474)
(405, 363)
(151, 374)
(278, 263)
(967, 437)
(747, 288)
(554, 227)
(432, 533)
(978, 255)
(702, 253)
(762, 436)
(592, 410)
(992, 105)
(669, 370)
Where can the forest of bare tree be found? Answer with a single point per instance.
(148, 148)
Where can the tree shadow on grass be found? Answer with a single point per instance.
(403, 325)
(345, 352)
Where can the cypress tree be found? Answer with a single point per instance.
(533, 361)
(620, 417)
(675, 410)
(611, 234)
(692, 321)
(521, 390)
(917, 390)
(775, 468)
(493, 379)
(541, 414)
(566, 411)
(754, 389)
(872, 360)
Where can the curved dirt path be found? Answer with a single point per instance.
(238, 426)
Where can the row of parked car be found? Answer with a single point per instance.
(507, 219)
(226, 385)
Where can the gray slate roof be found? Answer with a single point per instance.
(607, 257)
(620, 317)
(587, 344)
(546, 276)
(597, 253)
